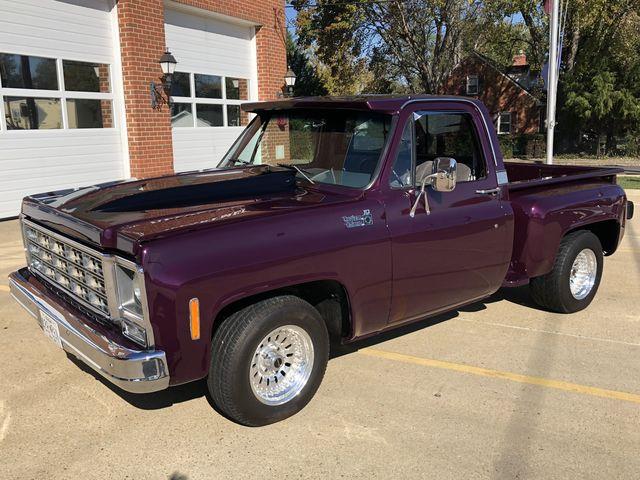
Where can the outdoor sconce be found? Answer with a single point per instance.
(290, 81)
(161, 94)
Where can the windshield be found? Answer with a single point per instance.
(338, 147)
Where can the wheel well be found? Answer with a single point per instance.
(607, 231)
(329, 297)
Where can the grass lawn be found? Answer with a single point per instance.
(629, 182)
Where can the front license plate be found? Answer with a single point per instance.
(50, 328)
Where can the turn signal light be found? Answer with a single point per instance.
(194, 318)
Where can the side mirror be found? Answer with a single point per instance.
(443, 178)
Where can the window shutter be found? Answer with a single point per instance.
(480, 84)
(514, 123)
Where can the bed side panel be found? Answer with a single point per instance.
(544, 215)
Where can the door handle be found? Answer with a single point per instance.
(491, 191)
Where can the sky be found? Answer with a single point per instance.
(291, 19)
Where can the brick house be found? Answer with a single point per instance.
(75, 87)
(510, 95)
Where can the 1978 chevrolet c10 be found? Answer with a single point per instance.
(329, 218)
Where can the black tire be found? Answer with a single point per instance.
(234, 345)
(552, 291)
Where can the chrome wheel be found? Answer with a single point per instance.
(583, 274)
(281, 365)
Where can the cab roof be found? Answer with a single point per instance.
(381, 103)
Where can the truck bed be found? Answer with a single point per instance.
(550, 200)
(529, 175)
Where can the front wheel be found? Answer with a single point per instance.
(574, 280)
(268, 360)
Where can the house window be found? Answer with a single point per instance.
(504, 123)
(205, 100)
(472, 85)
(38, 93)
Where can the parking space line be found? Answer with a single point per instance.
(551, 332)
(514, 377)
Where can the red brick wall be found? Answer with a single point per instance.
(142, 41)
(498, 93)
(141, 24)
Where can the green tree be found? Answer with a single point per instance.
(502, 39)
(308, 81)
(420, 41)
(600, 83)
(529, 34)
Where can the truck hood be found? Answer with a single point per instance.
(123, 215)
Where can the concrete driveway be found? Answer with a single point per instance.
(497, 390)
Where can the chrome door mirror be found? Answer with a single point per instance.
(443, 178)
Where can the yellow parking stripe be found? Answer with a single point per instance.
(4, 288)
(514, 377)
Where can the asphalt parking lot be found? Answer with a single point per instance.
(498, 390)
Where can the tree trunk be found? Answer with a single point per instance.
(575, 40)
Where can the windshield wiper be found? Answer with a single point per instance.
(298, 169)
(237, 161)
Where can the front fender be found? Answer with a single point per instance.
(225, 264)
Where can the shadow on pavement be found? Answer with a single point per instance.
(151, 401)
(521, 437)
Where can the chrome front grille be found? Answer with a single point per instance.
(69, 266)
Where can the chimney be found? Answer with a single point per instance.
(520, 59)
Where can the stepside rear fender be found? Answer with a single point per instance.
(543, 216)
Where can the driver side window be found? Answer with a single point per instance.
(431, 135)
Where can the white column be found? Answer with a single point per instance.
(552, 81)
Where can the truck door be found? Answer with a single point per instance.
(457, 248)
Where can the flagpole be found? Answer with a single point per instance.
(552, 83)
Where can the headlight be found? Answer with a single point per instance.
(130, 290)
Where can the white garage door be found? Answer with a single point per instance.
(59, 123)
(216, 72)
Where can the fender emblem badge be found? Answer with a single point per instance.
(354, 221)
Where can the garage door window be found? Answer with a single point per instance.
(86, 77)
(208, 86)
(203, 100)
(22, 71)
(181, 85)
(52, 93)
(29, 113)
(209, 115)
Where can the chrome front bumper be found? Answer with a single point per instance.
(132, 370)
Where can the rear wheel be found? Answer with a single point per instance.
(268, 360)
(575, 277)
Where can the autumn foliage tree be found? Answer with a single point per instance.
(419, 41)
(389, 46)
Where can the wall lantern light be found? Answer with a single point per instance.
(290, 81)
(161, 94)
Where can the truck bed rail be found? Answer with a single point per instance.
(523, 175)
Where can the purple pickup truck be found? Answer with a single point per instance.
(329, 220)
